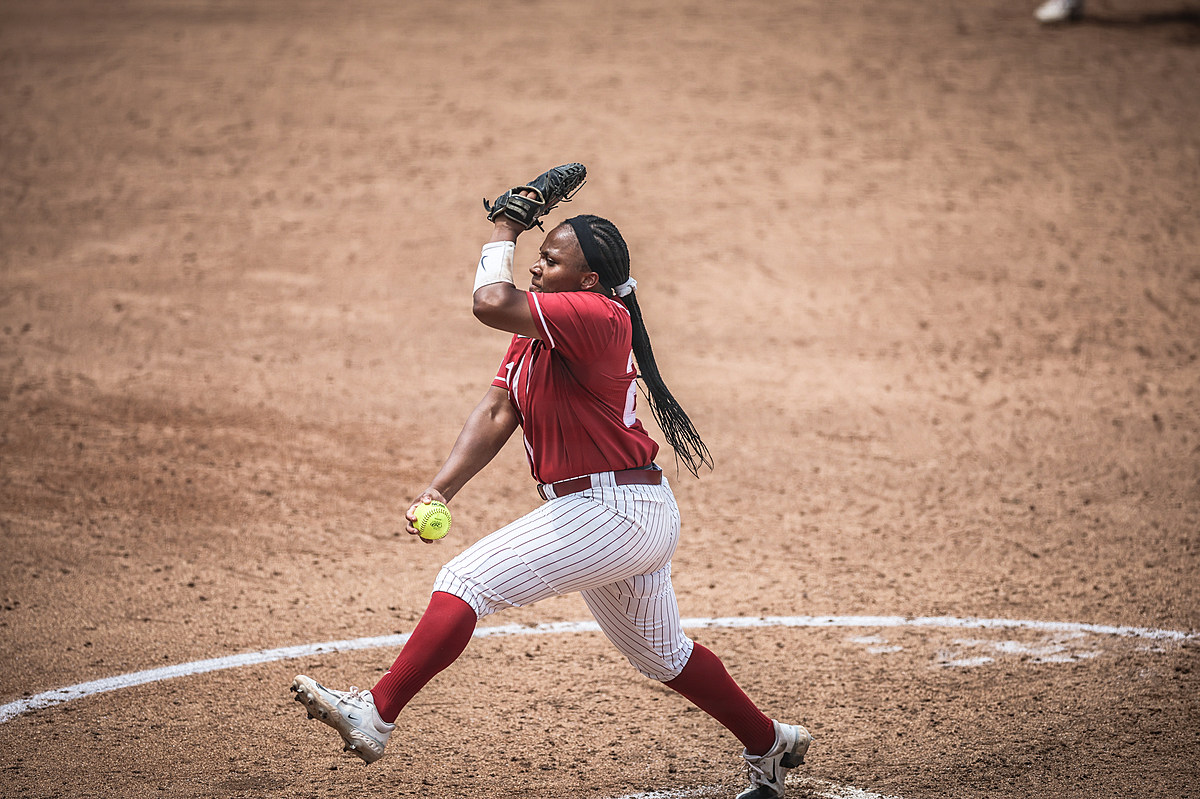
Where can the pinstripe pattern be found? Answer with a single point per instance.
(611, 543)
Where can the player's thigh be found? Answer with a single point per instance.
(640, 616)
(495, 572)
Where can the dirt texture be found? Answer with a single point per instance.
(925, 275)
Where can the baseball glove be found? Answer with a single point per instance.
(550, 188)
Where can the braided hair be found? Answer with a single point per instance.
(606, 253)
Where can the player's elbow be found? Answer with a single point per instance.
(503, 307)
(494, 306)
(487, 306)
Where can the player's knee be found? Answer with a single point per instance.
(662, 666)
(659, 675)
(450, 583)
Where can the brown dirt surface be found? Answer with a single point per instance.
(925, 274)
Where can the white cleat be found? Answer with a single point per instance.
(1053, 11)
(768, 771)
(352, 713)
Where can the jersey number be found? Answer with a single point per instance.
(631, 396)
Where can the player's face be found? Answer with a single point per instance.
(560, 265)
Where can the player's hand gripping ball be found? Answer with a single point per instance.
(433, 520)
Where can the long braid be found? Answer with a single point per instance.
(613, 268)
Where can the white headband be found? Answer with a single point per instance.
(625, 288)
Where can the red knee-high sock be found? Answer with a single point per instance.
(439, 638)
(706, 684)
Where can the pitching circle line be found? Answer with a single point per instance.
(81, 690)
(815, 787)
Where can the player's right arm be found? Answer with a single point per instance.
(484, 433)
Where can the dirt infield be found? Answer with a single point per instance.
(926, 276)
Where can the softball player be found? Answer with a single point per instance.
(609, 525)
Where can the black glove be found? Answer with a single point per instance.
(550, 188)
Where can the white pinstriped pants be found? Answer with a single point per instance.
(611, 543)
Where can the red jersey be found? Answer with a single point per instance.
(574, 388)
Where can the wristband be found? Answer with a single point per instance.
(495, 264)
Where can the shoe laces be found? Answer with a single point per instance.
(356, 697)
(758, 774)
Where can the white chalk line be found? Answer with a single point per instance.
(59, 696)
(817, 787)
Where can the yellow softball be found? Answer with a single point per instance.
(433, 520)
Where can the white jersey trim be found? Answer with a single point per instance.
(541, 320)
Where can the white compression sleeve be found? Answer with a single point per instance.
(495, 264)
